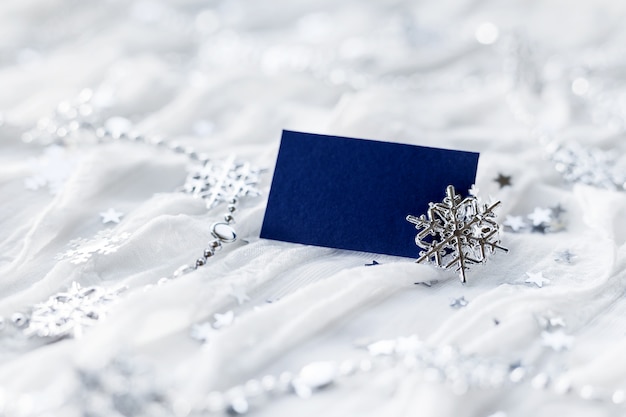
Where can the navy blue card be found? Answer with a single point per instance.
(355, 194)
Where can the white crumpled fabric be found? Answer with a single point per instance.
(225, 77)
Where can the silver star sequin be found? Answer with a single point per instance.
(239, 294)
(111, 216)
(221, 181)
(536, 278)
(458, 302)
(557, 340)
(223, 320)
(67, 313)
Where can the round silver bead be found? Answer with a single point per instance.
(223, 232)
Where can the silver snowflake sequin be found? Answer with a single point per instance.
(221, 181)
(65, 314)
(457, 232)
(104, 242)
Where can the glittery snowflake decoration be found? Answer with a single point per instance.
(65, 314)
(589, 166)
(221, 181)
(103, 243)
(127, 386)
(68, 119)
(457, 233)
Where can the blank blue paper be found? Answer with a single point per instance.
(355, 194)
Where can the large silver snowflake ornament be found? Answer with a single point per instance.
(457, 232)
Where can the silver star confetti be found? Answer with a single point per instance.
(201, 332)
(516, 223)
(221, 181)
(457, 233)
(111, 216)
(503, 180)
(557, 340)
(239, 294)
(67, 313)
(458, 302)
(223, 320)
(565, 256)
(536, 278)
(540, 216)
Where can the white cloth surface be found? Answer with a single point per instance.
(225, 77)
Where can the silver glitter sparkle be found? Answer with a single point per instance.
(67, 313)
(221, 181)
(589, 166)
(124, 387)
(457, 232)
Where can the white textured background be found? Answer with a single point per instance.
(226, 77)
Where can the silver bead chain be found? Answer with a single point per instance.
(66, 313)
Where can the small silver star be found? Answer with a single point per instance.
(239, 294)
(536, 278)
(557, 210)
(540, 216)
(474, 190)
(503, 180)
(223, 320)
(516, 223)
(111, 216)
(565, 256)
(458, 302)
(556, 322)
(201, 332)
(558, 340)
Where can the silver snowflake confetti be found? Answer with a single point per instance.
(540, 216)
(516, 223)
(457, 232)
(536, 278)
(221, 181)
(67, 313)
(111, 216)
(125, 387)
(103, 243)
